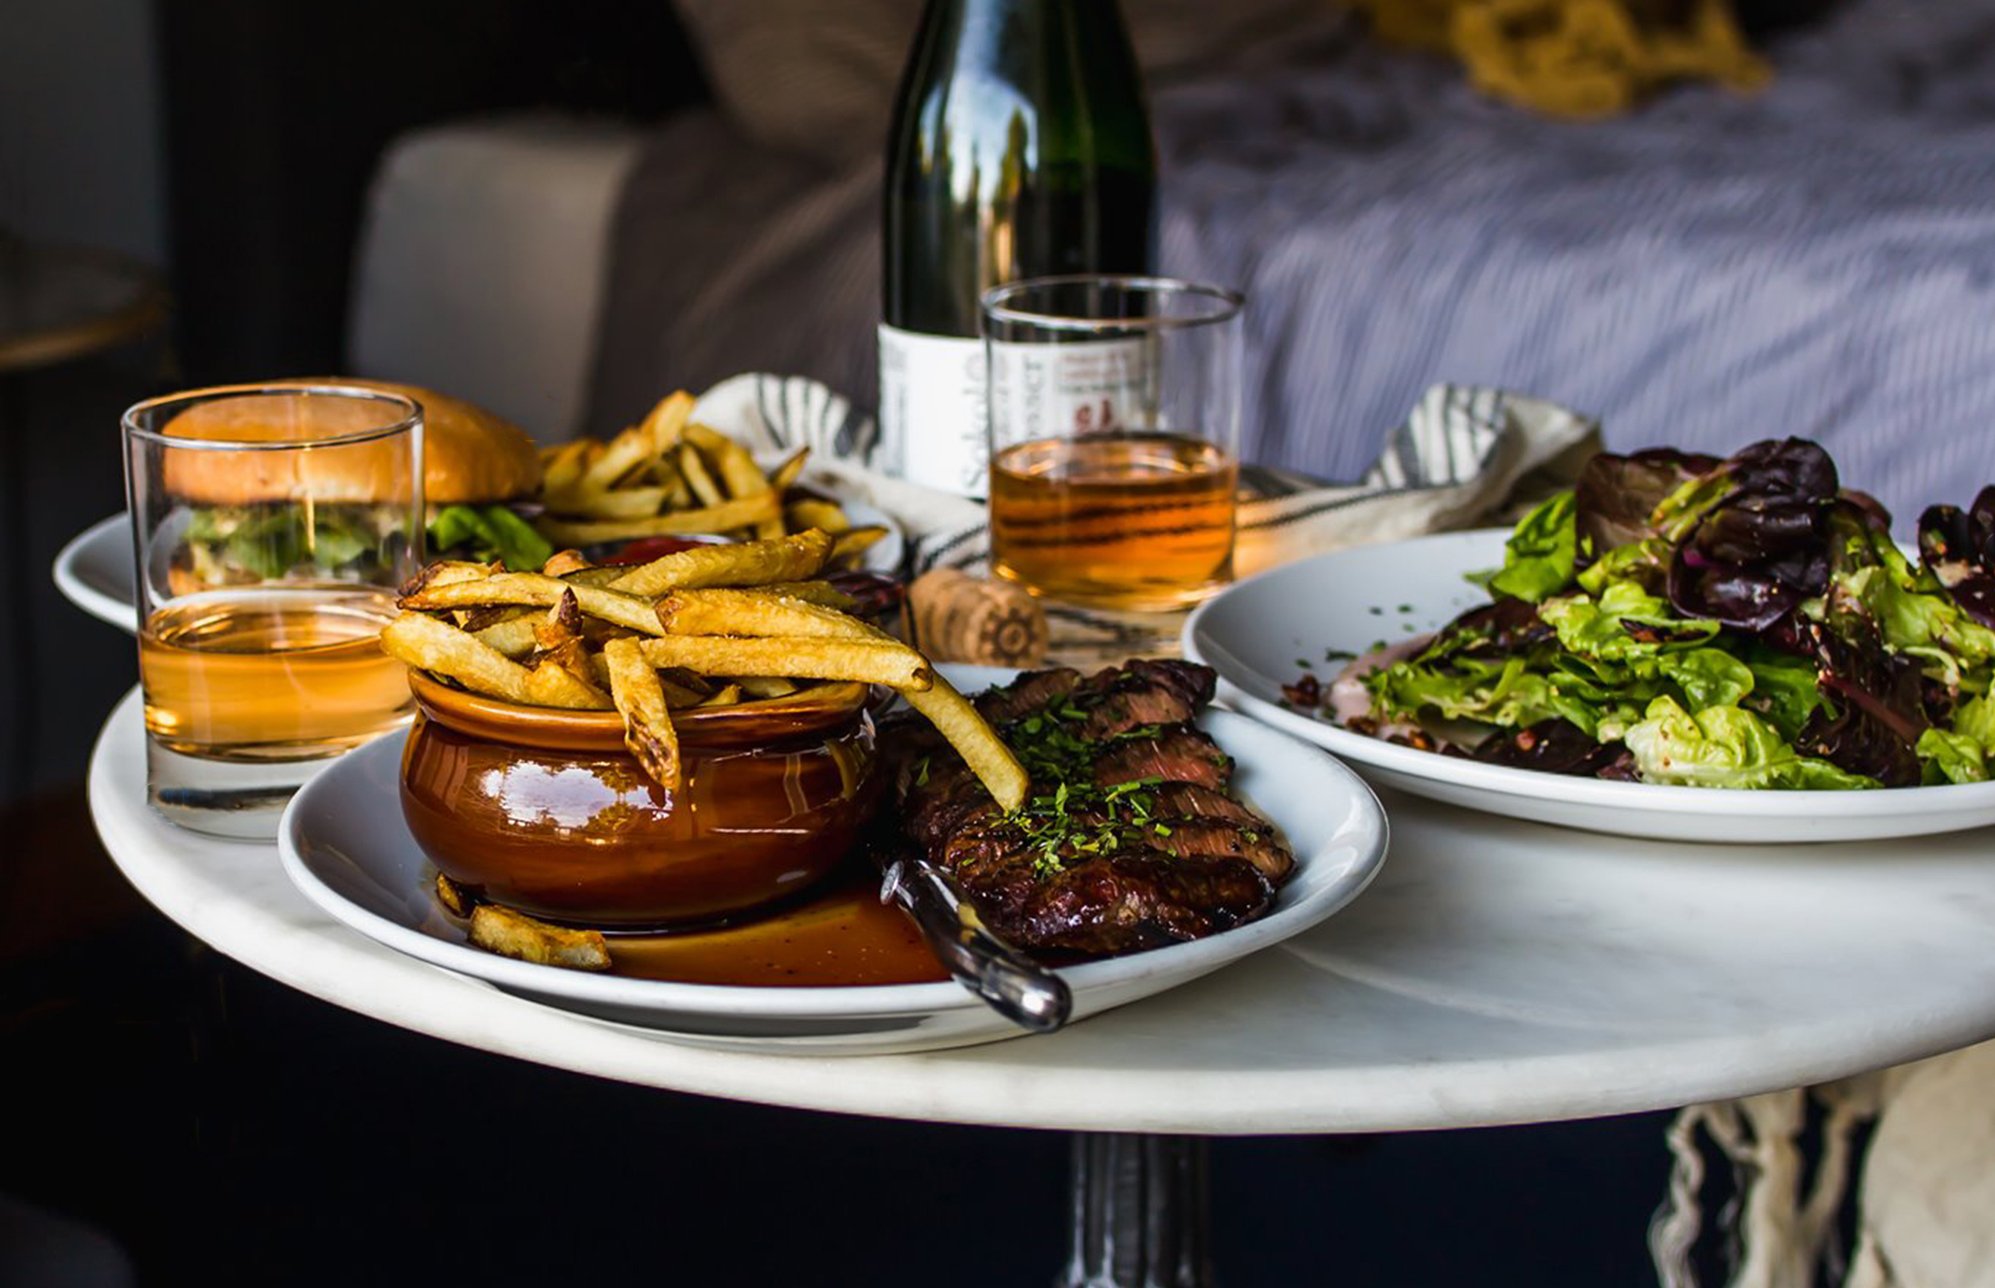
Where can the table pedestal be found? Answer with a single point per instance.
(1140, 1209)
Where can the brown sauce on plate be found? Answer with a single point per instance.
(841, 935)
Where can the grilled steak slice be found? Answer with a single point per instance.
(1028, 693)
(1128, 839)
(1146, 693)
(1180, 754)
(1118, 904)
(1189, 800)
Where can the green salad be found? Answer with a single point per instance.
(1745, 623)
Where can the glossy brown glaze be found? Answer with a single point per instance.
(549, 814)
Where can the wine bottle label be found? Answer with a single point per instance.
(932, 410)
(1040, 391)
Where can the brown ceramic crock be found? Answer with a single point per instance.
(546, 811)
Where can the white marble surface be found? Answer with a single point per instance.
(1496, 972)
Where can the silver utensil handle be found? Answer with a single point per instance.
(1009, 982)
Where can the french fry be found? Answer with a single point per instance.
(853, 542)
(766, 686)
(448, 572)
(551, 684)
(620, 456)
(821, 593)
(971, 735)
(512, 638)
(725, 696)
(666, 421)
(809, 512)
(753, 613)
(952, 715)
(562, 624)
(682, 688)
(750, 563)
(564, 562)
(534, 588)
(741, 512)
(738, 471)
(866, 661)
(514, 934)
(623, 502)
(457, 900)
(784, 476)
(694, 469)
(477, 619)
(647, 723)
(562, 467)
(442, 649)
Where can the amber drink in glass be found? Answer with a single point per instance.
(1114, 428)
(272, 525)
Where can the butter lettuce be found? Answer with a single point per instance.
(1538, 557)
(1724, 746)
(1965, 753)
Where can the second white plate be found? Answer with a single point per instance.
(1260, 634)
(94, 571)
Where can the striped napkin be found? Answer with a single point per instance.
(1464, 456)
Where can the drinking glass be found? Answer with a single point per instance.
(272, 525)
(1114, 410)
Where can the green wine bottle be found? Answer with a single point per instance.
(1020, 148)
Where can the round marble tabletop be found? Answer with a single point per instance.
(1496, 972)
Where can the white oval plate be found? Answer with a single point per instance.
(345, 844)
(94, 571)
(1256, 634)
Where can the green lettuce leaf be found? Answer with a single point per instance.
(489, 532)
(1724, 747)
(1922, 620)
(274, 541)
(1596, 628)
(1538, 557)
(1707, 677)
(1785, 691)
(1645, 562)
(1964, 753)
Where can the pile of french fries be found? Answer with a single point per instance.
(671, 476)
(708, 626)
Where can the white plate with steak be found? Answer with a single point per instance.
(347, 847)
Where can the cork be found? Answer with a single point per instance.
(958, 618)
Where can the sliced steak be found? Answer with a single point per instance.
(1028, 693)
(1179, 754)
(1129, 839)
(1143, 694)
(1211, 839)
(1121, 903)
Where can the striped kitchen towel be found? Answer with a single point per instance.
(1461, 457)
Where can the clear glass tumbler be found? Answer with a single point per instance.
(1114, 438)
(272, 524)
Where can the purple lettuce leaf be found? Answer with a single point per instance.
(1959, 548)
(1760, 547)
(1616, 497)
(1555, 746)
(1878, 701)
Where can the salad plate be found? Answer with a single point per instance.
(1312, 616)
(94, 570)
(344, 843)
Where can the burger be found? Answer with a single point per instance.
(480, 476)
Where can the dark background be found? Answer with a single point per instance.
(223, 1129)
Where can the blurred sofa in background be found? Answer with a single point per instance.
(1713, 268)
